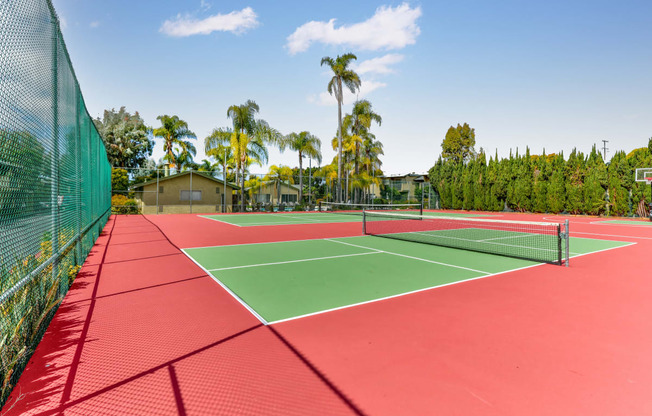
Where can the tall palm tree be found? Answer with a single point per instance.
(342, 77)
(209, 167)
(305, 144)
(247, 138)
(358, 124)
(223, 155)
(278, 175)
(173, 131)
(329, 174)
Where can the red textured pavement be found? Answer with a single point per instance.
(144, 331)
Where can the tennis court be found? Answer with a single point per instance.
(627, 222)
(287, 280)
(288, 218)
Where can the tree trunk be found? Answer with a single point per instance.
(357, 191)
(339, 141)
(242, 182)
(300, 178)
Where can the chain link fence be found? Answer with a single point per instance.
(55, 179)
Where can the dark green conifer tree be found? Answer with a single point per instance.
(557, 185)
(575, 172)
(595, 183)
(617, 174)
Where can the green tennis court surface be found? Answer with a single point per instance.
(287, 218)
(627, 222)
(285, 280)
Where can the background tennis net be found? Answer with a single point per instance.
(537, 241)
(344, 208)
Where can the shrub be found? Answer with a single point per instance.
(120, 204)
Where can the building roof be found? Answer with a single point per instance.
(417, 176)
(266, 183)
(178, 175)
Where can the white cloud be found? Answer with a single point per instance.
(94, 24)
(366, 88)
(389, 28)
(204, 5)
(378, 65)
(235, 22)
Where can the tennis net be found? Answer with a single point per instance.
(357, 209)
(537, 241)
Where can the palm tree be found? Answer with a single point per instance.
(247, 138)
(351, 80)
(173, 131)
(253, 184)
(329, 174)
(278, 175)
(223, 155)
(305, 144)
(209, 166)
(358, 124)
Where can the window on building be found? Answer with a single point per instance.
(217, 190)
(263, 198)
(185, 196)
(160, 189)
(285, 198)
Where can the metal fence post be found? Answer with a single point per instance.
(158, 190)
(191, 191)
(54, 163)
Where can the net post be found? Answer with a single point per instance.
(364, 222)
(567, 237)
(560, 236)
(421, 206)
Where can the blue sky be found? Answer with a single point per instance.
(553, 74)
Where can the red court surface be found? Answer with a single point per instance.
(145, 331)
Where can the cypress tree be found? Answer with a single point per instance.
(479, 180)
(575, 172)
(467, 185)
(523, 183)
(594, 184)
(617, 174)
(541, 177)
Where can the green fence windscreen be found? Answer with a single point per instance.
(55, 179)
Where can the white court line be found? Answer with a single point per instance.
(604, 249)
(281, 222)
(409, 257)
(606, 222)
(229, 291)
(432, 287)
(293, 261)
(509, 236)
(402, 294)
(213, 219)
(252, 244)
(609, 235)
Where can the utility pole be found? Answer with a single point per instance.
(604, 150)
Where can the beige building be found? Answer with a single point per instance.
(405, 184)
(269, 192)
(183, 193)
